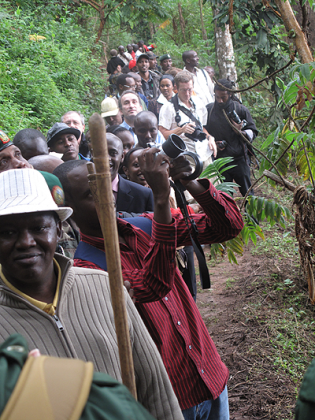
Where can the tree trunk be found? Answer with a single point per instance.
(204, 32)
(294, 30)
(151, 28)
(175, 29)
(181, 20)
(102, 22)
(225, 53)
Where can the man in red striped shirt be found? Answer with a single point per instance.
(195, 369)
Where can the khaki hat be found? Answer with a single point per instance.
(26, 191)
(109, 107)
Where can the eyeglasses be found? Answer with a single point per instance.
(186, 90)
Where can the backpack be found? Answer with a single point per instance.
(53, 388)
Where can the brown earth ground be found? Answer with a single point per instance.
(258, 388)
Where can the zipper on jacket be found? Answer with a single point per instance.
(58, 323)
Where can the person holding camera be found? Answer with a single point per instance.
(228, 140)
(186, 116)
(148, 250)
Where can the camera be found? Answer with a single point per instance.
(173, 147)
(197, 135)
(233, 115)
(221, 145)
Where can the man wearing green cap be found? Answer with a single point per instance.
(166, 62)
(10, 155)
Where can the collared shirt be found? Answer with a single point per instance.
(147, 87)
(203, 86)
(124, 124)
(115, 186)
(162, 100)
(81, 157)
(163, 300)
(167, 120)
(49, 308)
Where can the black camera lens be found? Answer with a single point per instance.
(173, 146)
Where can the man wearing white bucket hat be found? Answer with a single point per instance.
(61, 310)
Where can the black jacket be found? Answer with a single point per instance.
(133, 198)
(113, 63)
(219, 128)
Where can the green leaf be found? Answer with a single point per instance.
(253, 237)
(231, 256)
(305, 71)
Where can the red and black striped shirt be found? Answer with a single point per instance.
(163, 299)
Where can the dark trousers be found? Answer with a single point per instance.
(240, 174)
(189, 274)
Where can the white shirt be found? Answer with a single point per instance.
(162, 100)
(167, 120)
(203, 86)
(125, 60)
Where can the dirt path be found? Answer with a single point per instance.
(256, 389)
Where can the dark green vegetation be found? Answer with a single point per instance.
(41, 78)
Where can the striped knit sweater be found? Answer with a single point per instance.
(83, 327)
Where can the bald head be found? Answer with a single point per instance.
(31, 142)
(47, 163)
(146, 128)
(210, 70)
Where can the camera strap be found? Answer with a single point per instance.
(193, 233)
(178, 108)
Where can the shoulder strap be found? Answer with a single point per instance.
(174, 101)
(89, 253)
(203, 72)
(96, 256)
(50, 388)
(178, 107)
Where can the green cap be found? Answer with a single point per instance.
(4, 141)
(55, 188)
(164, 57)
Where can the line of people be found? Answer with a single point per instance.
(66, 311)
(41, 292)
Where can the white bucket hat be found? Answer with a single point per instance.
(26, 191)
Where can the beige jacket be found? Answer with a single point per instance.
(83, 328)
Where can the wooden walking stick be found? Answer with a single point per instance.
(101, 187)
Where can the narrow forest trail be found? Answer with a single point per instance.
(256, 389)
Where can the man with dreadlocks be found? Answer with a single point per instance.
(229, 142)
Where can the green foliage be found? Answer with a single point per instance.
(169, 37)
(264, 209)
(41, 78)
(215, 171)
(258, 209)
(258, 31)
(297, 97)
